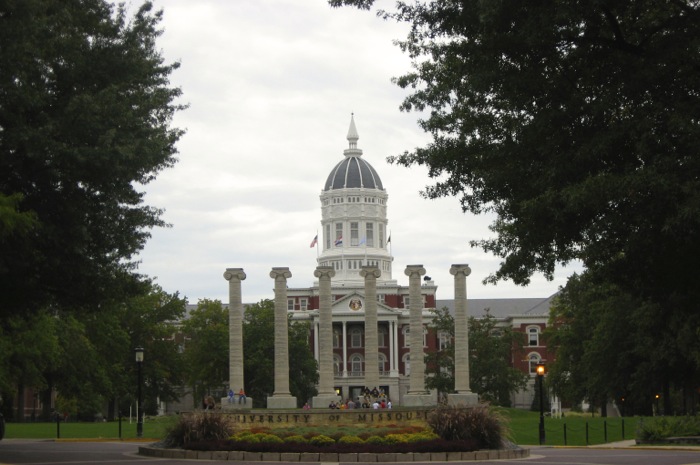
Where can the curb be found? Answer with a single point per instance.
(234, 455)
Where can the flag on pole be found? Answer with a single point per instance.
(339, 241)
(314, 242)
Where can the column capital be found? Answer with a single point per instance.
(460, 269)
(280, 272)
(367, 271)
(414, 269)
(324, 272)
(232, 273)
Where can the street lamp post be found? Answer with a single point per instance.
(540, 379)
(139, 406)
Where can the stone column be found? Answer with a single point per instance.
(417, 394)
(324, 336)
(371, 273)
(281, 398)
(234, 276)
(463, 394)
(392, 350)
(345, 349)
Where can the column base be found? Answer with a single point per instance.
(226, 405)
(322, 401)
(419, 400)
(463, 398)
(285, 402)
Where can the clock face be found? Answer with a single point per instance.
(355, 304)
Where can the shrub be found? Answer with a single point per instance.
(375, 440)
(351, 440)
(656, 429)
(267, 438)
(321, 440)
(395, 439)
(199, 427)
(459, 423)
(296, 439)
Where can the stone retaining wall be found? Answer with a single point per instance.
(242, 456)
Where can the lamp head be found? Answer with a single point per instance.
(540, 369)
(139, 354)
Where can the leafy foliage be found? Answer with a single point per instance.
(258, 326)
(199, 427)
(85, 113)
(491, 375)
(481, 424)
(655, 429)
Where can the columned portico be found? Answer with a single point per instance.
(463, 393)
(281, 397)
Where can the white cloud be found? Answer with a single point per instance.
(271, 86)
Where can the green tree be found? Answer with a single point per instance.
(574, 122)
(491, 374)
(206, 351)
(258, 343)
(85, 114)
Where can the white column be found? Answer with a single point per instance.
(396, 347)
(392, 349)
(345, 349)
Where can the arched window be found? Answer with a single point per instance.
(336, 365)
(382, 333)
(444, 339)
(336, 339)
(356, 337)
(534, 359)
(382, 364)
(406, 364)
(356, 365)
(533, 336)
(406, 330)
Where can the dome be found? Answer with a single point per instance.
(353, 172)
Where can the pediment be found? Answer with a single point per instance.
(355, 304)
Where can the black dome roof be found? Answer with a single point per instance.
(353, 172)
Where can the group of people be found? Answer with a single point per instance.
(374, 399)
(241, 396)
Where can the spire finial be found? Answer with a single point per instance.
(352, 132)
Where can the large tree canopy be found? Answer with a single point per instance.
(576, 123)
(85, 114)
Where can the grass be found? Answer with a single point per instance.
(523, 426)
(152, 429)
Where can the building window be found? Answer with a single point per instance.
(382, 364)
(407, 364)
(381, 236)
(290, 304)
(382, 333)
(406, 301)
(328, 236)
(303, 303)
(370, 234)
(534, 359)
(381, 298)
(354, 234)
(338, 234)
(406, 330)
(444, 340)
(356, 367)
(533, 336)
(336, 339)
(356, 337)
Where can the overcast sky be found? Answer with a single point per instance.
(271, 85)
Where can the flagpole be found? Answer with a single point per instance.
(317, 252)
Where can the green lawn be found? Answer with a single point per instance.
(154, 429)
(524, 426)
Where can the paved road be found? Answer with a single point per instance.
(46, 452)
